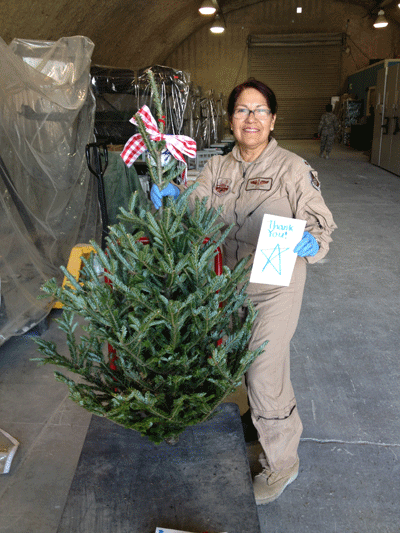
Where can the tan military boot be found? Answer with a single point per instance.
(268, 486)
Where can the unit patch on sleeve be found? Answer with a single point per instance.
(259, 184)
(315, 181)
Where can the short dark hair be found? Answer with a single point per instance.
(328, 107)
(252, 83)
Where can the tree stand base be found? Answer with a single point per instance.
(124, 483)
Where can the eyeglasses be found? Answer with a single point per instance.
(261, 113)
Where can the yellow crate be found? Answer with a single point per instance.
(75, 264)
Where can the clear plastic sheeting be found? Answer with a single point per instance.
(192, 115)
(208, 121)
(173, 86)
(48, 200)
(116, 102)
(120, 93)
(221, 118)
(204, 118)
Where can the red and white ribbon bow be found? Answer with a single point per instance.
(175, 144)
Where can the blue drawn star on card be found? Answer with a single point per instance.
(274, 258)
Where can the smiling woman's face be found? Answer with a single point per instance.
(251, 132)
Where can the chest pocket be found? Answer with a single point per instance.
(259, 184)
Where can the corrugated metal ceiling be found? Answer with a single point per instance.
(129, 33)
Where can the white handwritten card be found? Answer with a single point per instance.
(274, 259)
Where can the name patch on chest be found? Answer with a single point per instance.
(259, 184)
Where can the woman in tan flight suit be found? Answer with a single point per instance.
(256, 178)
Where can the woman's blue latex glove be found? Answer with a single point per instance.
(156, 195)
(308, 246)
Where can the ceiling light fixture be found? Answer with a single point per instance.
(299, 10)
(381, 21)
(207, 8)
(218, 26)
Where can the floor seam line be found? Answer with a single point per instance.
(362, 442)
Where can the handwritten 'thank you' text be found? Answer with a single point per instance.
(279, 230)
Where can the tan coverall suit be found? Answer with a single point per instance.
(278, 183)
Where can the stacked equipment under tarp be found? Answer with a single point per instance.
(116, 102)
(120, 93)
(173, 86)
(48, 200)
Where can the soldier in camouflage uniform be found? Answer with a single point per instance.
(327, 129)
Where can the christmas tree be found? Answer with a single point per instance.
(162, 341)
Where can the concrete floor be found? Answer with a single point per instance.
(345, 370)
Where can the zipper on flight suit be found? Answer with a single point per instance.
(236, 215)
